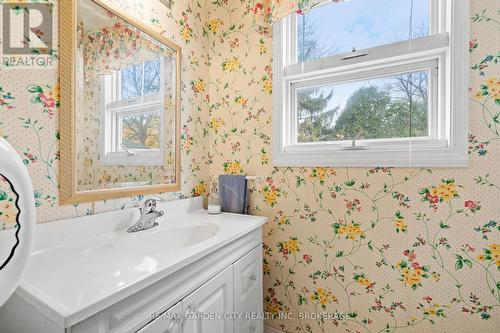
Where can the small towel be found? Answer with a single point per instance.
(233, 193)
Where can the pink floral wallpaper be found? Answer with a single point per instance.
(394, 249)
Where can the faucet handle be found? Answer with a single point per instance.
(150, 204)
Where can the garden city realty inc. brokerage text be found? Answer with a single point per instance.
(199, 315)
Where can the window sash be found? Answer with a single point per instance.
(115, 111)
(113, 106)
(437, 25)
(424, 47)
(117, 78)
(118, 116)
(434, 108)
(425, 53)
(392, 55)
(134, 105)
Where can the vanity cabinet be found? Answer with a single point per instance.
(227, 281)
(227, 303)
(222, 279)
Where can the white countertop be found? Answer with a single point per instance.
(71, 278)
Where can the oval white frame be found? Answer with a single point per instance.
(13, 169)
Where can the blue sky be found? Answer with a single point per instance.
(367, 23)
(363, 24)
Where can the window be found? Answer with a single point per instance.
(133, 115)
(372, 83)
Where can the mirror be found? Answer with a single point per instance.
(120, 94)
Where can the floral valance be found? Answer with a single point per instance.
(116, 47)
(269, 11)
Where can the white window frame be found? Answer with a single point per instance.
(114, 108)
(444, 51)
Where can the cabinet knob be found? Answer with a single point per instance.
(171, 325)
(191, 309)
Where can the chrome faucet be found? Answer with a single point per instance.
(149, 214)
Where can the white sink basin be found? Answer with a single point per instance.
(171, 239)
(150, 241)
(110, 261)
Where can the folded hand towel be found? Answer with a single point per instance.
(233, 193)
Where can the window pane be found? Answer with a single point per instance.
(388, 107)
(141, 131)
(336, 28)
(132, 81)
(151, 77)
(141, 79)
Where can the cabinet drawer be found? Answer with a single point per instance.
(248, 293)
(168, 322)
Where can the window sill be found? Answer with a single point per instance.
(382, 154)
(372, 144)
(141, 159)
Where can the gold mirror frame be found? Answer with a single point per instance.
(67, 146)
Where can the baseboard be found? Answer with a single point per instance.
(268, 329)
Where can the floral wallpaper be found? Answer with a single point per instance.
(116, 45)
(394, 249)
(29, 110)
(266, 12)
(8, 208)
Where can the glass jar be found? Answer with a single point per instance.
(214, 203)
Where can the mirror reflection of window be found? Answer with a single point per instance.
(133, 115)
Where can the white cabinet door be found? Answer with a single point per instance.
(206, 307)
(248, 292)
(169, 321)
